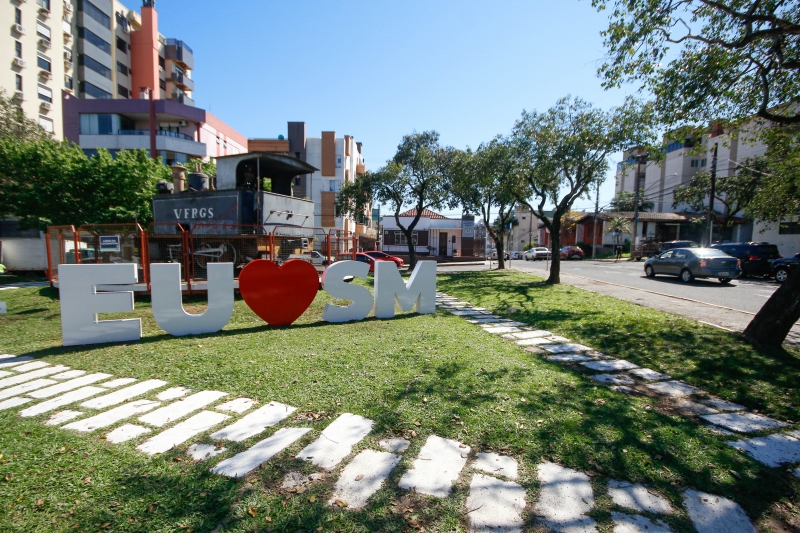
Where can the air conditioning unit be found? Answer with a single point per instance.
(19, 62)
(68, 7)
(182, 123)
(67, 37)
(19, 29)
(47, 106)
(19, 95)
(67, 64)
(44, 11)
(44, 73)
(44, 43)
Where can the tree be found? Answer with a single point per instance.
(732, 193)
(563, 152)
(14, 125)
(483, 180)
(624, 202)
(619, 226)
(417, 176)
(737, 58)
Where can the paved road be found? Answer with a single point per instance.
(746, 295)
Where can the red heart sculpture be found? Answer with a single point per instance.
(279, 295)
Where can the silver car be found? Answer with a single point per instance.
(690, 263)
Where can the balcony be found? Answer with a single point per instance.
(183, 81)
(140, 139)
(180, 52)
(361, 170)
(182, 99)
(162, 133)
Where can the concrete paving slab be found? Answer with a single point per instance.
(436, 467)
(125, 433)
(772, 450)
(719, 431)
(31, 366)
(622, 389)
(181, 408)
(30, 376)
(119, 382)
(242, 463)
(69, 374)
(744, 422)
(254, 423)
(501, 329)
(495, 506)
(16, 401)
(535, 341)
(201, 452)
(609, 365)
(23, 388)
(723, 405)
(715, 514)
(556, 338)
(69, 385)
(15, 361)
(5, 374)
(180, 433)
(56, 419)
(496, 464)
(638, 497)
(509, 323)
(565, 348)
(565, 496)
(363, 477)
(532, 334)
(690, 408)
(626, 523)
(648, 374)
(172, 393)
(337, 440)
(466, 312)
(674, 389)
(61, 401)
(568, 358)
(487, 319)
(123, 395)
(239, 405)
(394, 444)
(112, 416)
(612, 379)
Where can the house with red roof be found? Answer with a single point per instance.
(434, 235)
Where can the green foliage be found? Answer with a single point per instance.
(209, 168)
(619, 225)
(15, 125)
(778, 195)
(736, 58)
(624, 201)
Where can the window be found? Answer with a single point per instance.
(42, 31)
(400, 238)
(46, 123)
(338, 161)
(43, 62)
(18, 49)
(122, 46)
(96, 66)
(122, 69)
(18, 84)
(99, 124)
(44, 3)
(161, 63)
(122, 91)
(94, 39)
(162, 84)
(93, 91)
(789, 228)
(17, 16)
(45, 94)
(67, 54)
(122, 21)
(697, 163)
(68, 83)
(95, 12)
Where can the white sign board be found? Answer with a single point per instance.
(467, 229)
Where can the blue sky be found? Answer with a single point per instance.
(378, 70)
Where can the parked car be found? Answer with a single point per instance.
(516, 255)
(364, 258)
(671, 245)
(571, 252)
(385, 257)
(781, 268)
(313, 257)
(540, 252)
(691, 263)
(493, 255)
(756, 257)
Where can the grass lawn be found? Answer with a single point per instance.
(415, 376)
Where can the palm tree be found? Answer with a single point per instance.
(619, 226)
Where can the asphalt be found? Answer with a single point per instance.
(730, 306)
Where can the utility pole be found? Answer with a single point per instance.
(594, 226)
(640, 160)
(711, 196)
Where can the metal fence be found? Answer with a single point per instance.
(225, 243)
(344, 245)
(167, 242)
(62, 248)
(126, 246)
(308, 244)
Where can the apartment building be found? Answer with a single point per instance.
(683, 159)
(93, 49)
(33, 48)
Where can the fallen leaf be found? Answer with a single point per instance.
(251, 511)
(312, 498)
(39, 502)
(268, 518)
(87, 480)
(342, 503)
(359, 477)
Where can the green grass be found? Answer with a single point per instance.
(415, 376)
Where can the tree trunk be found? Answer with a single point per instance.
(555, 265)
(773, 321)
(501, 255)
(412, 253)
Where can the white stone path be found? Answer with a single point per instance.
(495, 501)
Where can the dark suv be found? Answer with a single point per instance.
(756, 257)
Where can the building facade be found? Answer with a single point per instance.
(434, 235)
(90, 49)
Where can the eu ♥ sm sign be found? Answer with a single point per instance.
(277, 294)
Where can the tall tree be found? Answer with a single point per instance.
(416, 177)
(625, 201)
(484, 180)
(563, 152)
